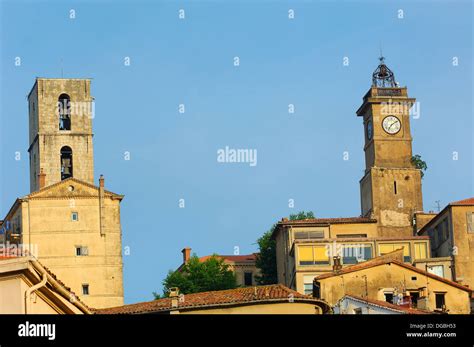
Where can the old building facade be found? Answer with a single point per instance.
(452, 236)
(388, 278)
(390, 195)
(71, 225)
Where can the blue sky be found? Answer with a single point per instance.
(190, 62)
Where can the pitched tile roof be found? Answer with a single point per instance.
(384, 304)
(24, 256)
(339, 220)
(468, 201)
(465, 202)
(387, 259)
(221, 298)
(249, 258)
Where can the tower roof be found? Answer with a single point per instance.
(383, 77)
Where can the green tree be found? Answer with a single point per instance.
(266, 258)
(419, 164)
(197, 276)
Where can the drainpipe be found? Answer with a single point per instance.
(30, 291)
(101, 205)
(60, 288)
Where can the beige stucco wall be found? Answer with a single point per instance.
(288, 268)
(43, 301)
(48, 227)
(391, 276)
(11, 295)
(240, 269)
(454, 241)
(464, 243)
(272, 308)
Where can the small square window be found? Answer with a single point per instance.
(74, 216)
(82, 251)
(85, 289)
(440, 301)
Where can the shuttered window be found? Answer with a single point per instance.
(470, 222)
(390, 247)
(320, 255)
(313, 255)
(305, 255)
(420, 250)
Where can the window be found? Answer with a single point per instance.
(358, 310)
(470, 222)
(66, 162)
(85, 289)
(437, 270)
(313, 255)
(308, 288)
(82, 251)
(390, 247)
(248, 278)
(414, 296)
(395, 187)
(64, 111)
(389, 297)
(440, 303)
(308, 284)
(420, 250)
(353, 254)
(309, 235)
(74, 216)
(348, 236)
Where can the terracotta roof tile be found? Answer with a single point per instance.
(242, 296)
(249, 258)
(340, 220)
(468, 201)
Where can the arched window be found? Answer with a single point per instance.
(66, 162)
(64, 111)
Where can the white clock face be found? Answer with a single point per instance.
(391, 125)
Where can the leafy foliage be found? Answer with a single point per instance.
(419, 164)
(266, 259)
(196, 276)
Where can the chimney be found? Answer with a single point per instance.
(41, 179)
(174, 295)
(101, 205)
(336, 264)
(186, 254)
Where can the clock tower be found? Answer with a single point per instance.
(391, 186)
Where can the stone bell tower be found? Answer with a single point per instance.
(60, 118)
(391, 186)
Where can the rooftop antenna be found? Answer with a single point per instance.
(438, 205)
